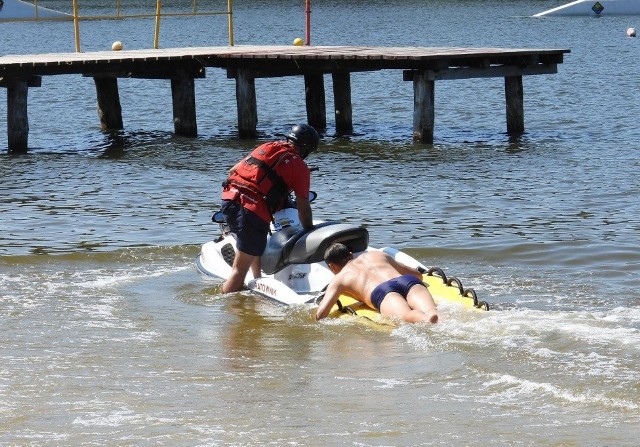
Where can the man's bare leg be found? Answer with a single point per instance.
(241, 264)
(419, 298)
(256, 267)
(394, 305)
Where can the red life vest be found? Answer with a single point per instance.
(256, 175)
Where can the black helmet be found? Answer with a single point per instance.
(305, 137)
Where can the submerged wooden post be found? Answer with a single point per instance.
(246, 103)
(109, 109)
(17, 117)
(342, 102)
(184, 106)
(423, 107)
(514, 95)
(314, 95)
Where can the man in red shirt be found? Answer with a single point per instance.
(257, 187)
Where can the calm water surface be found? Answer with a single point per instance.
(110, 337)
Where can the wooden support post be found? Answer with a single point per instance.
(109, 110)
(183, 94)
(246, 103)
(342, 102)
(514, 94)
(17, 118)
(314, 95)
(423, 107)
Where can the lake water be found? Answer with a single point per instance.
(109, 336)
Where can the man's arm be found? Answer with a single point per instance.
(304, 212)
(404, 269)
(330, 297)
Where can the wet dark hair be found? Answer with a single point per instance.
(337, 254)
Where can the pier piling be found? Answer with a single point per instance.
(109, 109)
(423, 107)
(17, 110)
(184, 106)
(17, 115)
(247, 105)
(514, 95)
(315, 100)
(342, 102)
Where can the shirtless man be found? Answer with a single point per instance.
(379, 281)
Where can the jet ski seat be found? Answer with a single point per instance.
(292, 245)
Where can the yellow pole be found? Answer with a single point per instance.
(195, 8)
(76, 25)
(118, 9)
(157, 32)
(307, 33)
(230, 13)
(35, 4)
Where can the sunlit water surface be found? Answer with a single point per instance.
(110, 337)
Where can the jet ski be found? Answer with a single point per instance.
(293, 267)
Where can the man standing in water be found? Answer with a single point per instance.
(257, 187)
(379, 281)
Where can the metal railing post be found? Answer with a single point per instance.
(308, 23)
(156, 36)
(230, 13)
(76, 25)
(119, 14)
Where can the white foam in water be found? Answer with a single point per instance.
(624, 315)
(380, 383)
(596, 329)
(113, 419)
(590, 328)
(545, 352)
(575, 350)
(513, 389)
(390, 383)
(115, 278)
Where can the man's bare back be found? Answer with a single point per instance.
(360, 276)
(367, 271)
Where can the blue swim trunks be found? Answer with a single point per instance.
(400, 285)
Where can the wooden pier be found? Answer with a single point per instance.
(422, 66)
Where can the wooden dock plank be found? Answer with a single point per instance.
(219, 56)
